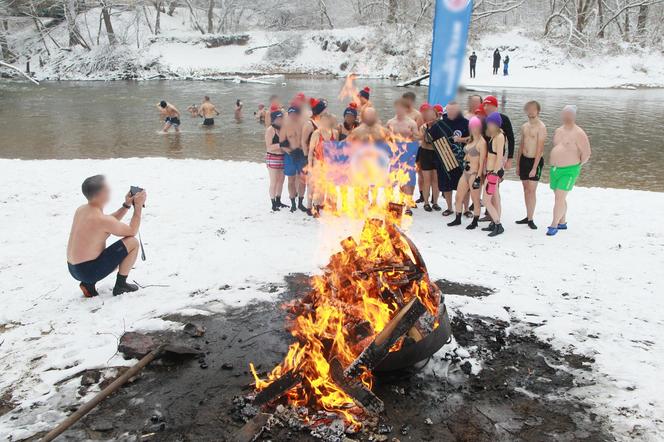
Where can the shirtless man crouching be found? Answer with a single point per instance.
(405, 129)
(208, 111)
(171, 116)
(88, 258)
(529, 160)
(571, 149)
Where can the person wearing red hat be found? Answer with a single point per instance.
(440, 111)
(426, 160)
(350, 121)
(274, 101)
(491, 106)
(474, 101)
(364, 96)
(325, 132)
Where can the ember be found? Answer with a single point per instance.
(373, 309)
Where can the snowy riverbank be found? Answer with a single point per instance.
(181, 52)
(594, 290)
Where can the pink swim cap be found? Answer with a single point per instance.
(474, 122)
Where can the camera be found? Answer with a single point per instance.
(133, 190)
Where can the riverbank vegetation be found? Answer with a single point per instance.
(113, 39)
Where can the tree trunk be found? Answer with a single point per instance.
(7, 55)
(107, 23)
(582, 11)
(600, 18)
(157, 5)
(75, 37)
(641, 22)
(626, 27)
(171, 8)
(392, 11)
(210, 17)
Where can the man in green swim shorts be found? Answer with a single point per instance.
(571, 149)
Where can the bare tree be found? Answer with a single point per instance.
(106, 16)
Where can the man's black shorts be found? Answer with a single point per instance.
(526, 165)
(208, 122)
(100, 267)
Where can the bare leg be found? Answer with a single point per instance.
(559, 208)
(166, 127)
(497, 203)
(427, 178)
(273, 182)
(131, 243)
(280, 183)
(434, 187)
(491, 209)
(530, 194)
(462, 193)
(477, 205)
(448, 200)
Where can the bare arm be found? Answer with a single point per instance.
(584, 146)
(113, 226)
(304, 142)
(541, 139)
(499, 147)
(483, 152)
(312, 147)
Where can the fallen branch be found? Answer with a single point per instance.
(7, 65)
(255, 48)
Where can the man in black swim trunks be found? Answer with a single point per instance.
(529, 160)
(170, 114)
(208, 111)
(88, 258)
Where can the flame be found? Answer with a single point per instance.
(364, 284)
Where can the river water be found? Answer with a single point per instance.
(66, 120)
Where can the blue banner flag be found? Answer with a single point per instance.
(448, 50)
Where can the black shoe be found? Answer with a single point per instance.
(473, 225)
(300, 204)
(89, 290)
(436, 207)
(122, 286)
(293, 206)
(497, 231)
(408, 212)
(275, 207)
(522, 221)
(420, 199)
(456, 222)
(280, 204)
(485, 218)
(427, 208)
(532, 225)
(489, 228)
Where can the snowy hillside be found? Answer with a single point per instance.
(180, 51)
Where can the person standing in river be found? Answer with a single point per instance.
(473, 63)
(571, 150)
(496, 61)
(530, 159)
(274, 157)
(208, 111)
(171, 116)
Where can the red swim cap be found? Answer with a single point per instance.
(493, 101)
(438, 108)
(425, 107)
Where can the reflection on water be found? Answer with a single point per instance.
(119, 119)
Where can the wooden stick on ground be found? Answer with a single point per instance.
(7, 65)
(92, 403)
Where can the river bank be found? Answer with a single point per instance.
(181, 52)
(205, 236)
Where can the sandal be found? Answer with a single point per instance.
(448, 212)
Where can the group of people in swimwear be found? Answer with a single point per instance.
(295, 135)
(206, 110)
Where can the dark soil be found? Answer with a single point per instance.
(519, 395)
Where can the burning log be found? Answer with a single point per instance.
(361, 395)
(380, 347)
(278, 388)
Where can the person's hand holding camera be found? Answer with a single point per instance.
(129, 200)
(139, 199)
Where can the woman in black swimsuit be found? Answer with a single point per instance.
(274, 158)
(494, 171)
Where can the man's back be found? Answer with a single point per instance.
(87, 238)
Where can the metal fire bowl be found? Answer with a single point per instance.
(421, 350)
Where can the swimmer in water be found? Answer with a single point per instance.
(571, 150)
(171, 116)
(260, 114)
(238, 110)
(364, 96)
(208, 111)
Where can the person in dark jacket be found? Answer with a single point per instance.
(491, 105)
(496, 61)
(506, 64)
(473, 63)
(448, 181)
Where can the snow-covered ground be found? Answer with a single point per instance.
(595, 289)
(179, 51)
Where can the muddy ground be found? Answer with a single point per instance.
(520, 394)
